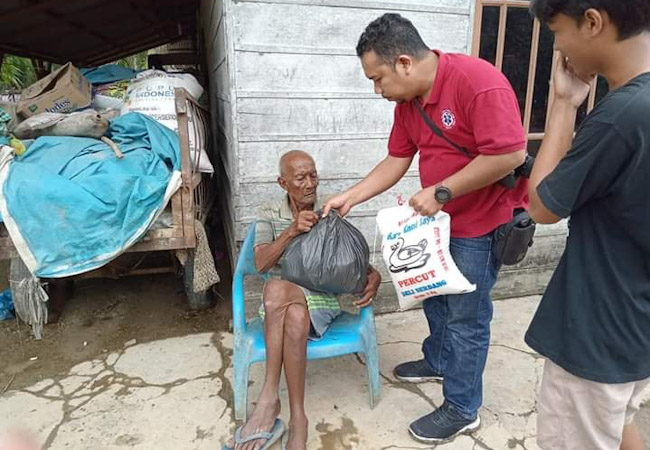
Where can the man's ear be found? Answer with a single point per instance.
(404, 64)
(283, 183)
(594, 21)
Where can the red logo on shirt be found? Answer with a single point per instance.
(448, 119)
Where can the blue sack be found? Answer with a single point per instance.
(6, 305)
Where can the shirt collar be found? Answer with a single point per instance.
(285, 208)
(434, 97)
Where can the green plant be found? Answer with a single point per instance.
(137, 61)
(16, 73)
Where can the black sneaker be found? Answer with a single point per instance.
(416, 372)
(442, 425)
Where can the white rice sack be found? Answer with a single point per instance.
(152, 93)
(416, 252)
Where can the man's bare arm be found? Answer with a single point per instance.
(570, 92)
(480, 172)
(268, 255)
(556, 144)
(384, 176)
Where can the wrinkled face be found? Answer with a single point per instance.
(390, 81)
(300, 180)
(575, 41)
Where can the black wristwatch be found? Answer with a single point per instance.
(442, 194)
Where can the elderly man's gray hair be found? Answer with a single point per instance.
(288, 155)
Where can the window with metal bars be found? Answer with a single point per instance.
(507, 35)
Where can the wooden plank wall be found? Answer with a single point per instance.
(285, 76)
(299, 85)
(215, 25)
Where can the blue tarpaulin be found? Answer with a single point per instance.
(70, 205)
(108, 73)
(6, 305)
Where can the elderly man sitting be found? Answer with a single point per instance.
(292, 313)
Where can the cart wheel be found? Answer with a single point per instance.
(196, 300)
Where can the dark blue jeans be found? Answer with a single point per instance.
(460, 326)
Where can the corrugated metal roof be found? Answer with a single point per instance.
(92, 32)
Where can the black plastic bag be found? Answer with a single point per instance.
(333, 257)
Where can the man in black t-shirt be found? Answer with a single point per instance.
(593, 323)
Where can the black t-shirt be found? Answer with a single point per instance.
(594, 318)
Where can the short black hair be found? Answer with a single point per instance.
(389, 36)
(631, 17)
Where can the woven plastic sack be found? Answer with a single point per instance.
(416, 252)
(333, 257)
(152, 93)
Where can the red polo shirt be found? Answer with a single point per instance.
(474, 106)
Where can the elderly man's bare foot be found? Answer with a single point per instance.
(261, 420)
(298, 433)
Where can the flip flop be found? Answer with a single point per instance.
(285, 440)
(272, 436)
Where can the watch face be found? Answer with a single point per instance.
(442, 194)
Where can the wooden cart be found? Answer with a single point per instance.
(191, 202)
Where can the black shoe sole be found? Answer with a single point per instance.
(418, 379)
(467, 429)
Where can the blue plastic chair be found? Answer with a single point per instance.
(349, 333)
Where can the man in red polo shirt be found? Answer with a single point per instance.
(482, 142)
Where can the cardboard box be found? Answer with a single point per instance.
(64, 90)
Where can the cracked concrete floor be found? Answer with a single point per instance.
(175, 392)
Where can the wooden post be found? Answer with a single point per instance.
(501, 35)
(532, 68)
(187, 191)
(478, 23)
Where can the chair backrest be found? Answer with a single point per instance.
(246, 259)
(245, 266)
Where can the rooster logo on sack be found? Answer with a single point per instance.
(405, 258)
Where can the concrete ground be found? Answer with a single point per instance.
(145, 374)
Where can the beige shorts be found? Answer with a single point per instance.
(578, 414)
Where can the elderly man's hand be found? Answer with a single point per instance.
(370, 291)
(303, 223)
(424, 202)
